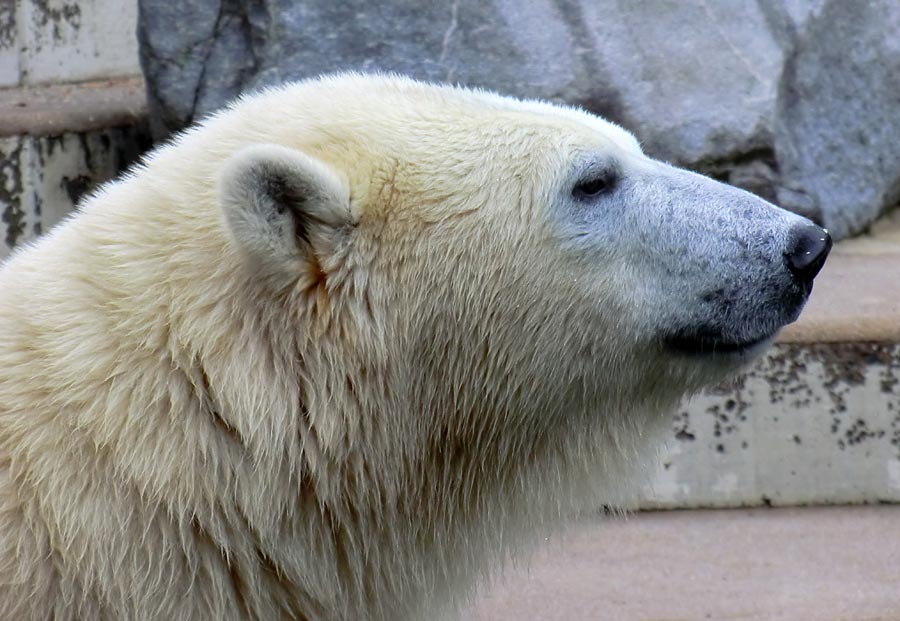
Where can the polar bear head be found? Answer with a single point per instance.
(519, 255)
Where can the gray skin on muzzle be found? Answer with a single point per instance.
(714, 269)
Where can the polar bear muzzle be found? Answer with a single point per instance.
(736, 324)
(727, 270)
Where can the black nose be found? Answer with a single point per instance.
(807, 251)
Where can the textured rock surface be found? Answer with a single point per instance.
(837, 123)
(607, 57)
(699, 82)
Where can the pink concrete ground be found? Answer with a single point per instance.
(811, 564)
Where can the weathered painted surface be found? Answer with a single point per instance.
(43, 41)
(9, 52)
(43, 177)
(809, 424)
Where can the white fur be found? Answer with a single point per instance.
(203, 418)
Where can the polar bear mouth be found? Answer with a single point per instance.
(707, 344)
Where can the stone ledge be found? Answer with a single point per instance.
(72, 108)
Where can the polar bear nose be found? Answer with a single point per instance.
(808, 249)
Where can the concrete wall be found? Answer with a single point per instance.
(51, 41)
(43, 177)
(809, 424)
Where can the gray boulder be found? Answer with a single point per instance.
(698, 82)
(837, 117)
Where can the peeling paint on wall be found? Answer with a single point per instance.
(11, 213)
(57, 18)
(7, 24)
(42, 179)
(67, 40)
(809, 423)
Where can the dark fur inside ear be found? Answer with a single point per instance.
(280, 204)
(288, 195)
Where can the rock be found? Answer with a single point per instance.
(645, 66)
(733, 89)
(837, 124)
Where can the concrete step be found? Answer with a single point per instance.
(809, 564)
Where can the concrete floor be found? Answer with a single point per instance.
(810, 564)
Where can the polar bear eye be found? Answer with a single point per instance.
(595, 186)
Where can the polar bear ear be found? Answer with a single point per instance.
(282, 206)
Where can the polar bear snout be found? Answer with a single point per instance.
(809, 247)
(734, 269)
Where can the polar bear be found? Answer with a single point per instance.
(342, 348)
